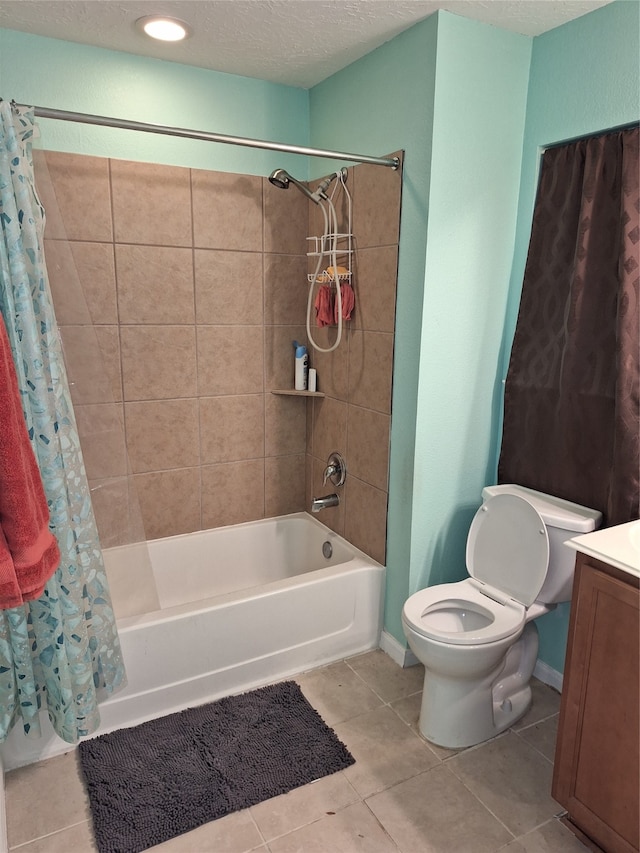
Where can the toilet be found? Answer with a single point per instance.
(477, 638)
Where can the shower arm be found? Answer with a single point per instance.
(103, 121)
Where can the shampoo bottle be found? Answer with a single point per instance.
(301, 367)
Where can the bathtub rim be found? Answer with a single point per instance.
(358, 560)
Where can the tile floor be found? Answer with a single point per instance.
(401, 796)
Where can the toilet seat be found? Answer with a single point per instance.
(508, 547)
(423, 612)
(507, 558)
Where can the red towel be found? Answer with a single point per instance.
(348, 301)
(324, 306)
(29, 553)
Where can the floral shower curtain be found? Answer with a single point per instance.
(60, 652)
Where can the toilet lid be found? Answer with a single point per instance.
(508, 547)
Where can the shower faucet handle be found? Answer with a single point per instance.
(336, 470)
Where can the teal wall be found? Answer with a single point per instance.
(380, 104)
(68, 76)
(479, 118)
(585, 78)
(451, 93)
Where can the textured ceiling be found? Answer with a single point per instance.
(296, 42)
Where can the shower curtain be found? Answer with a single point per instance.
(60, 652)
(572, 397)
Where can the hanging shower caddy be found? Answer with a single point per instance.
(322, 247)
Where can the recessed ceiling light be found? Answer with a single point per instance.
(163, 28)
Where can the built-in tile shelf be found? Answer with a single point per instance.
(293, 393)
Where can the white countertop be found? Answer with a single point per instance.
(619, 546)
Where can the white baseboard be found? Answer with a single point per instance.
(543, 672)
(402, 656)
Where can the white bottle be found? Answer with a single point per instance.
(301, 367)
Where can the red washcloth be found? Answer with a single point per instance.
(348, 301)
(29, 553)
(324, 306)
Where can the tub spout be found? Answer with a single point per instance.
(324, 503)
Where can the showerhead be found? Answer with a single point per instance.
(280, 178)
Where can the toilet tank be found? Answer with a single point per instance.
(563, 520)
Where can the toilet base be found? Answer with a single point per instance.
(458, 713)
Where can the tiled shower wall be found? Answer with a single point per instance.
(355, 415)
(178, 293)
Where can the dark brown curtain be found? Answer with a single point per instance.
(571, 414)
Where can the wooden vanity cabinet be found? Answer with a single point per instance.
(597, 762)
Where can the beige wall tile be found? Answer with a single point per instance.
(162, 434)
(227, 211)
(108, 338)
(366, 518)
(131, 581)
(368, 446)
(332, 367)
(83, 281)
(231, 428)
(329, 428)
(340, 202)
(308, 480)
(228, 287)
(286, 215)
(211, 379)
(74, 190)
(232, 493)
(371, 370)
(284, 485)
(375, 276)
(117, 510)
(285, 289)
(110, 501)
(230, 360)
(334, 516)
(90, 354)
(158, 362)
(279, 356)
(101, 431)
(285, 424)
(151, 203)
(376, 209)
(155, 284)
(65, 285)
(169, 501)
(326, 336)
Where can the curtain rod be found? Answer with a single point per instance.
(83, 118)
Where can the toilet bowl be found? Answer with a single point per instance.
(476, 637)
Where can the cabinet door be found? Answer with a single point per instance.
(597, 769)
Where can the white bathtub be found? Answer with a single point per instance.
(239, 607)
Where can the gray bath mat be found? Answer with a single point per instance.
(168, 776)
